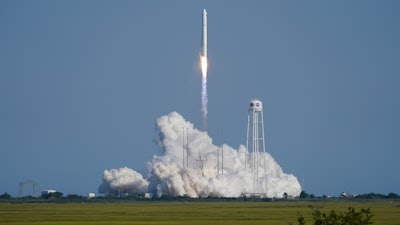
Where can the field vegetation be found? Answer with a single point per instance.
(188, 212)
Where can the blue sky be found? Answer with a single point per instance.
(82, 83)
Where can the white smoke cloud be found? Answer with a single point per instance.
(168, 174)
(123, 180)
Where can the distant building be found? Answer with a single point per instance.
(347, 195)
(91, 195)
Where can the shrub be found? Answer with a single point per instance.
(351, 217)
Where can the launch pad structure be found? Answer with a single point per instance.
(35, 189)
(255, 145)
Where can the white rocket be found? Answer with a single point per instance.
(204, 36)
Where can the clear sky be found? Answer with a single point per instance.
(83, 82)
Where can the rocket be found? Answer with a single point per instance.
(204, 35)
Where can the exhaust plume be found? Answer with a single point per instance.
(204, 96)
(167, 176)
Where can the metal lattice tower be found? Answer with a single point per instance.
(255, 143)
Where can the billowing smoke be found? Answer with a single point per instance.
(123, 180)
(189, 167)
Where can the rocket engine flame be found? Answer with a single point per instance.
(204, 66)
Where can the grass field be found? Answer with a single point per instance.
(276, 213)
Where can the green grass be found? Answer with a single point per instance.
(193, 213)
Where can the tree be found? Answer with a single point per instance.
(393, 195)
(53, 195)
(56, 194)
(73, 196)
(5, 196)
(303, 194)
(351, 217)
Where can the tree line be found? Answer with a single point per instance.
(136, 196)
(304, 195)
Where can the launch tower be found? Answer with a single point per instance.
(255, 145)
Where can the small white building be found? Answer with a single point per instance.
(91, 195)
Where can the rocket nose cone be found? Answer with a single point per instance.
(204, 12)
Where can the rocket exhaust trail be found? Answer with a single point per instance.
(204, 97)
(203, 62)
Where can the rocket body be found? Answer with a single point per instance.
(204, 35)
